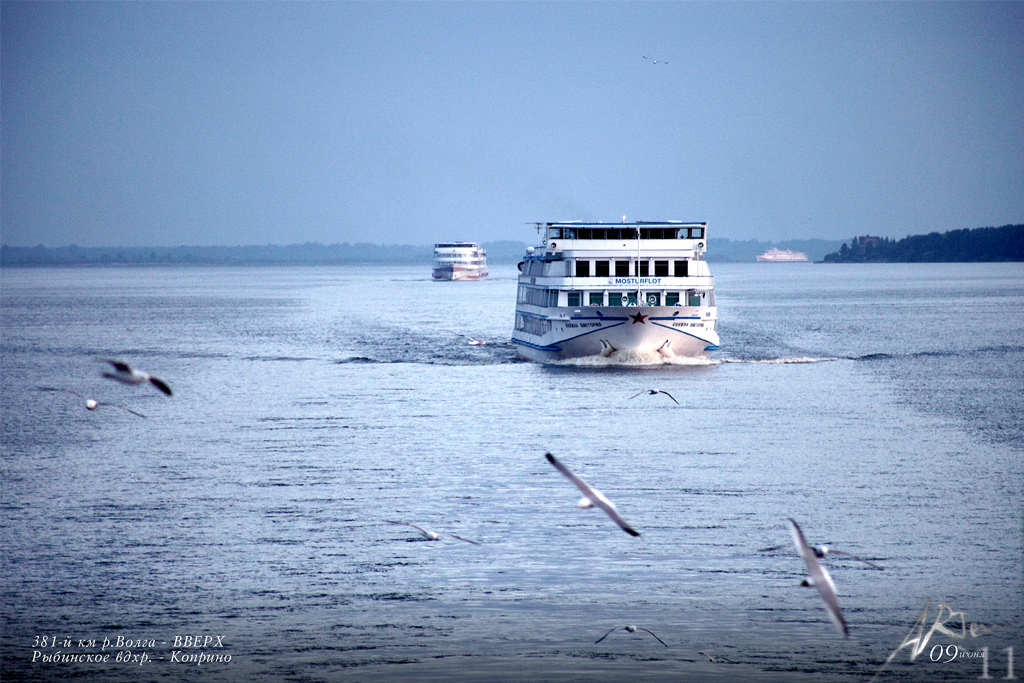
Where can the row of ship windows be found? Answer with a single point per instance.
(693, 233)
(525, 323)
(620, 268)
(550, 298)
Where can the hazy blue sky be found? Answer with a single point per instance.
(278, 122)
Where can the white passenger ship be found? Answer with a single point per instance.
(782, 256)
(638, 291)
(459, 261)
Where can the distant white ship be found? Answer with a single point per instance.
(459, 261)
(623, 291)
(782, 256)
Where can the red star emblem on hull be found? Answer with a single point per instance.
(638, 317)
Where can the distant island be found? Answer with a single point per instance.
(722, 250)
(956, 246)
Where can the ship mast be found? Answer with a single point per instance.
(638, 301)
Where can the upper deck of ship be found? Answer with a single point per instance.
(455, 245)
(669, 237)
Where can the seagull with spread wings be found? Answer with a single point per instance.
(819, 577)
(472, 341)
(592, 497)
(820, 551)
(655, 392)
(125, 374)
(630, 629)
(430, 535)
(91, 404)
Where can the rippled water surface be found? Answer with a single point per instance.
(877, 405)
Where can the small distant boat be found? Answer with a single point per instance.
(782, 256)
(459, 261)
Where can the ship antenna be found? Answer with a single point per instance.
(638, 302)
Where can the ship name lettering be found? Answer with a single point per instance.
(634, 281)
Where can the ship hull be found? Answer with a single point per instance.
(457, 273)
(622, 334)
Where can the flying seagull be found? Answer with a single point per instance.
(91, 404)
(592, 497)
(819, 578)
(820, 551)
(430, 535)
(125, 374)
(472, 341)
(714, 659)
(654, 61)
(630, 629)
(655, 392)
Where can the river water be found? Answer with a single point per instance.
(878, 405)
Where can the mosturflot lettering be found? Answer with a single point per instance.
(635, 281)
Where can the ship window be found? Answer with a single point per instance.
(614, 298)
(694, 298)
(569, 233)
(583, 269)
(555, 233)
(696, 233)
(601, 268)
(631, 299)
(644, 268)
(622, 269)
(596, 298)
(661, 268)
(653, 298)
(556, 269)
(681, 268)
(672, 299)
(573, 299)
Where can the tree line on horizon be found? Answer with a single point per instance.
(1005, 243)
(980, 244)
(722, 250)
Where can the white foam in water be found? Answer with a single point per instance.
(780, 361)
(620, 359)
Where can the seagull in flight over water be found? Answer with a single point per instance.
(592, 497)
(91, 404)
(472, 341)
(430, 535)
(820, 551)
(819, 578)
(125, 374)
(655, 392)
(630, 629)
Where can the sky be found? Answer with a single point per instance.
(240, 123)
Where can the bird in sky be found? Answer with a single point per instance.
(819, 577)
(630, 629)
(655, 392)
(430, 535)
(125, 374)
(592, 497)
(655, 61)
(820, 551)
(91, 404)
